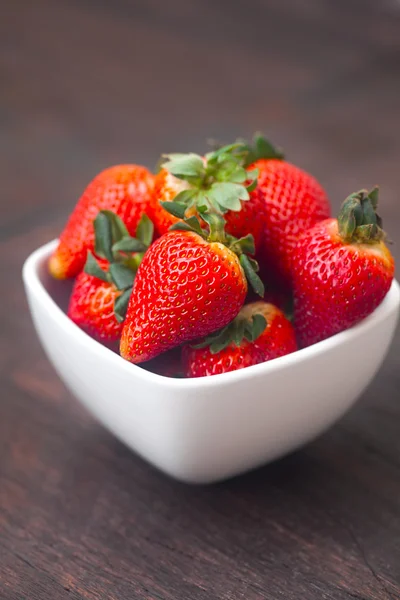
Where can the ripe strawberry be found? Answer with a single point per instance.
(248, 219)
(259, 333)
(290, 201)
(342, 270)
(91, 306)
(189, 284)
(101, 292)
(166, 188)
(285, 201)
(218, 180)
(123, 189)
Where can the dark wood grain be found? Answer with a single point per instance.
(87, 83)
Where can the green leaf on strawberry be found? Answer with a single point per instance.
(122, 252)
(93, 268)
(218, 182)
(145, 230)
(254, 329)
(176, 208)
(374, 197)
(129, 244)
(184, 166)
(121, 276)
(193, 222)
(227, 196)
(358, 220)
(251, 275)
(103, 236)
(121, 305)
(119, 229)
(261, 148)
(245, 245)
(241, 328)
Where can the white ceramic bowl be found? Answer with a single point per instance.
(207, 429)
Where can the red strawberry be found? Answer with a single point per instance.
(166, 188)
(259, 333)
(101, 292)
(188, 285)
(123, 189)
(290, 200)
(285, 202)
(91, 306)
(249, 219)
(218, 180)
(342, 270)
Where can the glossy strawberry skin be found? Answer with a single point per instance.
(248, 220)
(185, 288)
(336, 285)
(278, 339)
(166, 187)
(91, 307)
(201, 363)
(123, 189)
(292, 202)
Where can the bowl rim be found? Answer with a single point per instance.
(31, 278)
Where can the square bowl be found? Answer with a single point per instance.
(207, 429)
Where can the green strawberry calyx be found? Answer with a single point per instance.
(123, 252)
(260, 148)
(358, 221)
(214, 231)
(218, 180)
(242, 328)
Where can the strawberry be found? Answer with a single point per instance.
(123, 189)
(284, 202)
(166, 188)
(342, 270)
(259, 333)
(290, 201)
(218, 180)
(101, 291)
(190, 283)
(91, 305)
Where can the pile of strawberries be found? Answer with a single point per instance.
(219, 262)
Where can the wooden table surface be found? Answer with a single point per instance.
(88, 83)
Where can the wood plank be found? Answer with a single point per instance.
(85, 84)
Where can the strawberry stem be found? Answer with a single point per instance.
(358, 221)
(216, 225)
